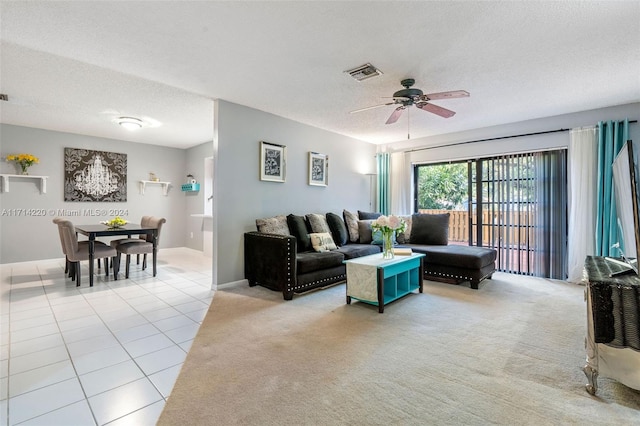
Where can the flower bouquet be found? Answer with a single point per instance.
(116, 222)
(388, 226)
(24, 161)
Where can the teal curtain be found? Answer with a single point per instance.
(611, 136)
(383, 162)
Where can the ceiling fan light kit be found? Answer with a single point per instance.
(412, 96)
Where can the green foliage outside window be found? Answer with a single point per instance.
(442, 186)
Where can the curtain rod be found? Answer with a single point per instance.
(498, 138)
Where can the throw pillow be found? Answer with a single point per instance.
(298, 227)
(273, 225)
(368, 215)
(322, 241)
(318, 223)
(351, 220)
(376, 236)
(430, 229)
(338, 229)
(405, 237)
(364, 230)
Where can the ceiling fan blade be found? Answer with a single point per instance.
(446, 95)
(435, 109)
(371, 107)
(395, 115)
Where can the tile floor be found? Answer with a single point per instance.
(107, 354)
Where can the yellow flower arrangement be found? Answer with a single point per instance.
(24, 160)
(116, 222)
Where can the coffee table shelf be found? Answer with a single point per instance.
(377, 281)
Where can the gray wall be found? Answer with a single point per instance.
(242, 198)
(25, 238)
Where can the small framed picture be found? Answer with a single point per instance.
(273, 162)
(318, 169)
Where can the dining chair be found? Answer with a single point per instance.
(69, 267)
(138, 246)
(142, 238)
(76, 252)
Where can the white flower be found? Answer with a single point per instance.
(388, 224)
(381, 222)
(394, 222)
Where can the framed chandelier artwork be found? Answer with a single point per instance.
(94, 175)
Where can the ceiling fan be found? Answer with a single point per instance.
(408, 96)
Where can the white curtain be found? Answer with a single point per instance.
(582, 181)
(401, 185)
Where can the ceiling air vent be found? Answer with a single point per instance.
(363, 72)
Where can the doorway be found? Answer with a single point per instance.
(207, 222)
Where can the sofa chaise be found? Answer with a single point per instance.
(294, 254)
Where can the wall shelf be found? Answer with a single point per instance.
(144, 183)
(191, 187)
(7, 177)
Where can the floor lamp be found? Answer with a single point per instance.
(371, 191)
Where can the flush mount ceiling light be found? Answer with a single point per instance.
(130, 123)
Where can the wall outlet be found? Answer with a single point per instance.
(192, 235)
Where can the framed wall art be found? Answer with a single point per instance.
(94, 175)
(273, 162)
(318, 169)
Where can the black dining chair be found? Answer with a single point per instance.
(76, 251)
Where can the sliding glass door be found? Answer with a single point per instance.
(515, 204)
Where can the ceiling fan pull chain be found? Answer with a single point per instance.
(408, 123)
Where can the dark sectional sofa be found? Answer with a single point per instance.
(293, 254)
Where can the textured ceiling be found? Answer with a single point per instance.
(74, 66)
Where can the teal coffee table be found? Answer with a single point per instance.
(377, 281)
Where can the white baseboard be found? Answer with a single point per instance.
(231, 283)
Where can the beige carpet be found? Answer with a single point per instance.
(509, 353)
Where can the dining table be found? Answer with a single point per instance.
(92, 231)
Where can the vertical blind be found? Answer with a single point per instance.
(517, 205)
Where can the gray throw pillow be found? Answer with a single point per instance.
(318, 223)
(405, 237)
(351, 220)
(364, 229)
(368, 215)
(338, 229)
(298, 227)
(430, 229)
(273, 225)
